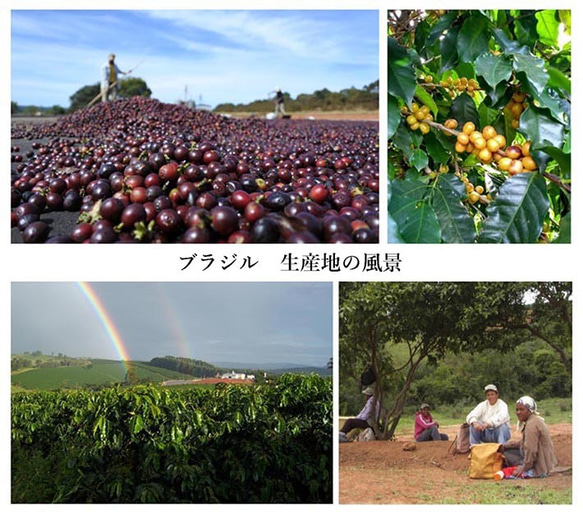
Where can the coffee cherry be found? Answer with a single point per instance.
(516, 167)
(469, 128)
(529, 164)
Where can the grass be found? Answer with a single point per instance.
(509, 492)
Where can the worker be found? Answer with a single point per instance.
(109, 79)
(279, 100)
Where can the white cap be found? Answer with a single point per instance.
(368, 391)
(491, 387)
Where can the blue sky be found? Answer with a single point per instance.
(262, 322)
(223, 56)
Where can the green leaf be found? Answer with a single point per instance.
(435, 148)
(426, 99)
(565, 230)
(508, 45)
(394, 236)
(547, 27)
(518, 212)
(463, 109)
(419, 159)
(531, 70)
(456, 223)
(401, 76)
(444, 24)
(558, 79)
(394, 116)
(416, 220)
(565, 16)
(494, 69)
(473, 38)
(542, 130)
(403, 139)
(525, 28)
(563, 159)
(448, 49)
(136, 424)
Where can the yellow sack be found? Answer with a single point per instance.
(485, 460)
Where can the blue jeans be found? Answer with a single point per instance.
(499, 434)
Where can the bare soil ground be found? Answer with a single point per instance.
(381, 472)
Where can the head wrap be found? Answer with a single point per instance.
(529, 403)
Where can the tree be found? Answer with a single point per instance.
(13, 107)
(479, 108)
(133, 86)
(395, 327)
(84, 96)
(127, 88)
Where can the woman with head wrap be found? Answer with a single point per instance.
(536, 445)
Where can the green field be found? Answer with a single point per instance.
(99, 372)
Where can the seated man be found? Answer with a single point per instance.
(426, 427)
(365, 418)
(489, 420)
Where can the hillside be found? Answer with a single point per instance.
(97, 372)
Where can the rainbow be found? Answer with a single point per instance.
(172, 321)
(106, 321)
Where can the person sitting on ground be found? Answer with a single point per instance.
(536, 444)
(366, 417)
(489, 421)
(426, 429)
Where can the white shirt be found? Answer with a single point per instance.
(491, 415)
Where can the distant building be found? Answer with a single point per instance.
(240, 376)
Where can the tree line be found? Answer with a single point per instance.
(365, 98)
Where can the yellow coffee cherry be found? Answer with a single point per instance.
(516, 167)
(480, 143)
(474, 197)
(485, 155)
(475, 135)
(529, 164)
(451, 123)
(501, 139)
(493, 145)
(463, 138)
(489, 132)
(415, 127)
(460, 148)
(424, 128)
(411, 119)
(479, 189)
(504, 163)
(469, 128)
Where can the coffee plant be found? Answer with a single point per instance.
(232, 444)
(479, 108)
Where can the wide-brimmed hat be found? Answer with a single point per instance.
(491, 387)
